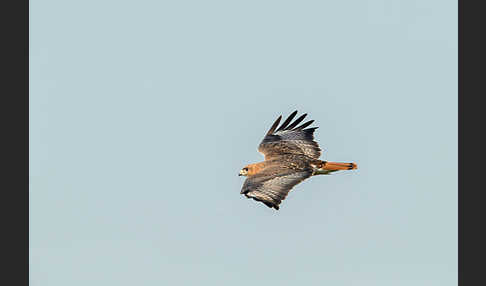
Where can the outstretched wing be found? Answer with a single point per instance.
(272, 185)
(289, 139)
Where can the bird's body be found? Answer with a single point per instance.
(291, 156)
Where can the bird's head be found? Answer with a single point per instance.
(244, 171)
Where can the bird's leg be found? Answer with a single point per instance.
(322, 172)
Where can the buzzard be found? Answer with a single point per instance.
(291, 156)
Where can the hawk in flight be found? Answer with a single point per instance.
(291, 156)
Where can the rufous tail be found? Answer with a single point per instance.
(335, 166)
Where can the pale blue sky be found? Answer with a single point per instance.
(143, 112)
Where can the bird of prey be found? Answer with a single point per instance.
(291, 156)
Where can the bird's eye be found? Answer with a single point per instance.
(245, 169)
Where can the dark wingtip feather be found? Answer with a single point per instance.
(287, 121)
(310, 130)
(275, 124)
(304, 125)
(297, 121)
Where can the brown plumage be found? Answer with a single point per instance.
(291, 156)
